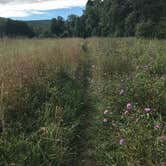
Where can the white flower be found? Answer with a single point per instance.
(105, 112)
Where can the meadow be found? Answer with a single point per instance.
(76, 102)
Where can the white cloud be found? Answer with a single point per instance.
(22, 8)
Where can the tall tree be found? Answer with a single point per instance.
(58, 26)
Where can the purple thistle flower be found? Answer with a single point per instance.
(146, 110)
(121, 141)
(157, 126)
(163, 138)
(129, 106)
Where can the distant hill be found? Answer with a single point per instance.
(39, 24)
(15, 28)
(8, 27)
(34, 23)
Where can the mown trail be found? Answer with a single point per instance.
(73, 95)
(84, 146)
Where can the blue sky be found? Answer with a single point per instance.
(40, 9)
(48, 14)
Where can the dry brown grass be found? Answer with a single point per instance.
(21, 60)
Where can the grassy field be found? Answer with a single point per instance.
(75, 102)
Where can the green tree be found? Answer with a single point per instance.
(58, 26)
(17, 28)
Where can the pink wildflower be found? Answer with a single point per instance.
(163, 138)
(129, 106)
(121, 141)
(146, 110)
(157, 126)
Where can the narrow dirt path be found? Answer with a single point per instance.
(85, 147)
(84, 142)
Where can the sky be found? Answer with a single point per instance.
(40, 9)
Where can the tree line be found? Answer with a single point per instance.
(12, 28)
(115, 18)
(105, 18)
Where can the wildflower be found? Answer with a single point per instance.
(121, 92)
(163, 138)
(105, 112)
(105, 120)
(113, 123)
(129, 106)
(157, 126)
(126, 112)
(43, 130)
(162, 77)
(146, 110)
(93, 66)
(137, 120)
(121, 141)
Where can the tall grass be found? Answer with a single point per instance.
(35, 114)
(82, 102)
(129, 71)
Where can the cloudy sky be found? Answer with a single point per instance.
(40, 9)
